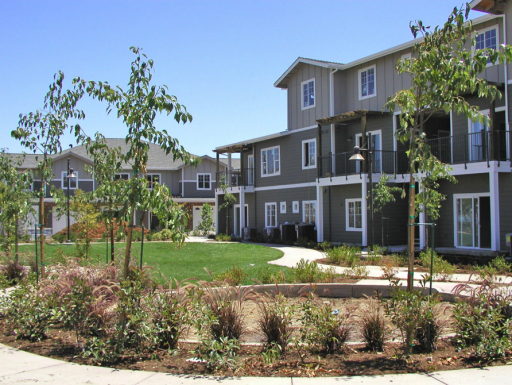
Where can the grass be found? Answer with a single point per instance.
(188, 262)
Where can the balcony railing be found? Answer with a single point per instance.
(236, 178)
(483, 146)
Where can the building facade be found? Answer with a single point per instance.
(303, 177)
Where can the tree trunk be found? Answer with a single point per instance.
(112, 242)
(41, 228)
(128, 250)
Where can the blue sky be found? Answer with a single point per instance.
(220, 58)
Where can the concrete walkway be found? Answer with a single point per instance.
(18, 367)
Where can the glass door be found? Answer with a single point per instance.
(474, 222)
(478, 141)
(250, 170)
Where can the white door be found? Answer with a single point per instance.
(196, 216)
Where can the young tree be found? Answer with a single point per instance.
(206, 224)
(15, 198)
(138, 106)
(41, 131)
(442, 71)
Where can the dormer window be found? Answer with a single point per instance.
(308, 93)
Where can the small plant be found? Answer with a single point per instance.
(443, 270)
(13, 272)
(302, 242)
(324, 246)
(265, 275)
(275, 322)
(234, 276)
(219, 354)
(373, 324)
(307, 272)
(389, 269)
(501, 265)
(344, 255)
(165, 234)
(206, 225)
(223, 238)
(357, 272)
(324, 329)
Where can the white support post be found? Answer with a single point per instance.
(422, 219)
(242, 212)
(495, 207)
(333, 148)
(319, 221)
(216, 212)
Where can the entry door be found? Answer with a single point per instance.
(376, 147)
(474, 222)
(238, 233)
(250, 170)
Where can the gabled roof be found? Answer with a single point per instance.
(282, 82)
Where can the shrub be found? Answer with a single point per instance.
(265, 275)
(442, 269)
(373, 324)
(324, 329)
(484, 321)
(344, 255)
(357, 272)
(223, 238)
(324, 246)
(501, 265)
(234, 276)
(302, 242)
(136, 235)
(165, 234)
(307, 272)
(275, 322)
(149, 236)
(13, 272)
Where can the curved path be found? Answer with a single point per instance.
(18, 367)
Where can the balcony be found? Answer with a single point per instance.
(236, 178)
(484, 146)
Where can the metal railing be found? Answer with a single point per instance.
(483, 146)
(236, 178)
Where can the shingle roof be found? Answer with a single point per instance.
(157, 159)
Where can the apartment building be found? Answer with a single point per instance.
(302, 178)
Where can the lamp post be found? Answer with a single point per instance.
(358, 157)
(70, 175)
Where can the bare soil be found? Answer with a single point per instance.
(354, 360)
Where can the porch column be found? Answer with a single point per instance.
(242, 211)
(492, 132)
(422, 219)
(319, 220)
(494, 191)
(364, 142)
(216, 212)
(217, 172)
(364, 212)
(228, 174)
(333, 148)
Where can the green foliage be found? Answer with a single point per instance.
(223, 238)
(234, 276)
(275, 323)
(307, 272)
(384, 194)
(265, 275)
(373, 324)
(484, 321)
(344, 255)
(219, 354)
(442, 269)
(324, 329)
(165, 234)
(357, 272)
(206, 224)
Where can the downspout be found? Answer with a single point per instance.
(333, 126)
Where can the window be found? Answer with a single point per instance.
(73, 182)
(152, 179)
(271, 214)
(367, 87)
(123, 176)
(295, 207)
(270, 161)
(354, 214)
(282, 208)
(308, 93)
(309, 153)
(308, 211)
(203, 181)
(487, 38)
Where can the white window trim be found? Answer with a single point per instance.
(406, 56)
(282, 208)
(266, 217)
(64, 180)
(274, 173)
(374, 133)
(295, 207)
(302, 94)
(209, 181)
(347, 213)
(361, 97)
(123, 173)
(150, 185)
(481, 31)
(304, 203)
(306, 156)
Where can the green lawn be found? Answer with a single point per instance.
(188, 262)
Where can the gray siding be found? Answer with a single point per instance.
(298, 118)
(505, 209)
(334, 217)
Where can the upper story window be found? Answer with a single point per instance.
(73, 182)
(308, 93)
(309, 153)
(204, 181)
(367, 83)
(487, 38)
(270, 163)
(309, 211)
(152, 180)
